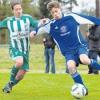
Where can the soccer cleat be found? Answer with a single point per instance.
(95, 71)
(7, 88)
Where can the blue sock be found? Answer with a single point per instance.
(77, 78)
(94, 64)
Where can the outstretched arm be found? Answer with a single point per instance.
(83, 19)
(3, 23)
(33, 21)
(43, 27)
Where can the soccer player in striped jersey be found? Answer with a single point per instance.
(65, 31)
(19, 28)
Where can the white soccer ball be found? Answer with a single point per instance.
(78, 90)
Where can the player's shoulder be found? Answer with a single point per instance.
(8, 18)
(71, 14)
(26, 16)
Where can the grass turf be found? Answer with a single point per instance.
(36, 86)
(49, 87)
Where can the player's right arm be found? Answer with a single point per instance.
(3, 23)
(43, 27)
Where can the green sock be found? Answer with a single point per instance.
(15, 82)
(13, 73)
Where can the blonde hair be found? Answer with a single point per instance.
(15, 2)
(53, 4)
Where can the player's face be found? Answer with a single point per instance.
(17, 10)
(56, 13)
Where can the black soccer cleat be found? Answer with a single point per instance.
(7, 88)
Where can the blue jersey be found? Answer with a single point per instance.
(66, 33)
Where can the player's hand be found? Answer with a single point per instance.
(43, 21)
(32, 34)
(44, 39)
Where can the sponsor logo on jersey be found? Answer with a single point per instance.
(56, 27)
(63, 29)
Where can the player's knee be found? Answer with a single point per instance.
(71, 67)
(19, 63)
(71, 63)
(84, 59)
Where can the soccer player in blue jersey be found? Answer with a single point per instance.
(19, 29)
(65, 31)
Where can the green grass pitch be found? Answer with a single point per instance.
(48, 87)
(40, 86)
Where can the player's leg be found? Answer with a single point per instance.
(90, 54)
(18, 65)
(71, 64)
(75, 75)
(22, 71)
(14, 71)
(52, 62)
(46, 55)
(83, 55)
(71, 61)
(19, 76)
(91, 62)
(94, 56)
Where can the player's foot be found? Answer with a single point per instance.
(95, 71)
(90, 72)
(7, 88)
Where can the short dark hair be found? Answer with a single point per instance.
(15, 2)
(53, 4)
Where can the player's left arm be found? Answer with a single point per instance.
(83, 19)
(33, 22)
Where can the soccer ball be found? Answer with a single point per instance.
(78, 90)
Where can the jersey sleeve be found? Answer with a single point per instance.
(44, 28)
(3, 23)
(33, 22)
(83, 19)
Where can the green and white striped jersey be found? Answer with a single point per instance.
(19, 29)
